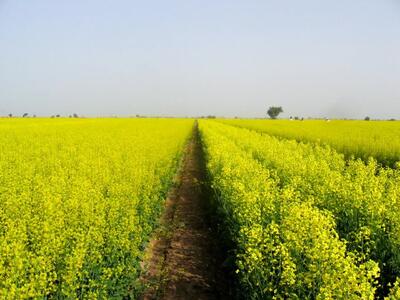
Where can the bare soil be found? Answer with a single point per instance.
(184, 259)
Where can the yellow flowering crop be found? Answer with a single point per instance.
(378, 139)
(306, 222)
(78, 200)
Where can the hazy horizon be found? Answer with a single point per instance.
(335, 59)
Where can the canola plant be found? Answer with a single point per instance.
(305, 222)
(361, 139)
(78, 200)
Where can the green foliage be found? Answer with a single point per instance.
(394, 291)
(274, 111)
(78, 200)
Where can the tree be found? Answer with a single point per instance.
(274, 111)
(25, 115)
(366, 118)
(75, 115)
(10, 115)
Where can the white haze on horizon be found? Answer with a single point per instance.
(335, 59)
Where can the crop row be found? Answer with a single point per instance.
(362, 139)
(78, 200)
(305, 222)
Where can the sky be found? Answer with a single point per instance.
(321, 58)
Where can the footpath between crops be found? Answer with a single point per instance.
(184, 259)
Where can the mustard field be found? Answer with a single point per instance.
(363, 139)
(300, 214)
(304, 222)
(78, 200)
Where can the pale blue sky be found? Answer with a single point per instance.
(336, 58)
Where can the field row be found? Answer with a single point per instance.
(362, 139)
(305, 222)
(78, 200)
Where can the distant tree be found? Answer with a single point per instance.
(75, 115)
(34, 116)
(10, 115)
(367, 118)
(274, 111)
(296, 118)
(57, 116)
(392, 119)
(25, 115)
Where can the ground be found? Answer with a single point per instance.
(184, 257)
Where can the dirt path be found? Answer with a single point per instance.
(184, 259)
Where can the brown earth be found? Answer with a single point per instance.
(184, 260)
